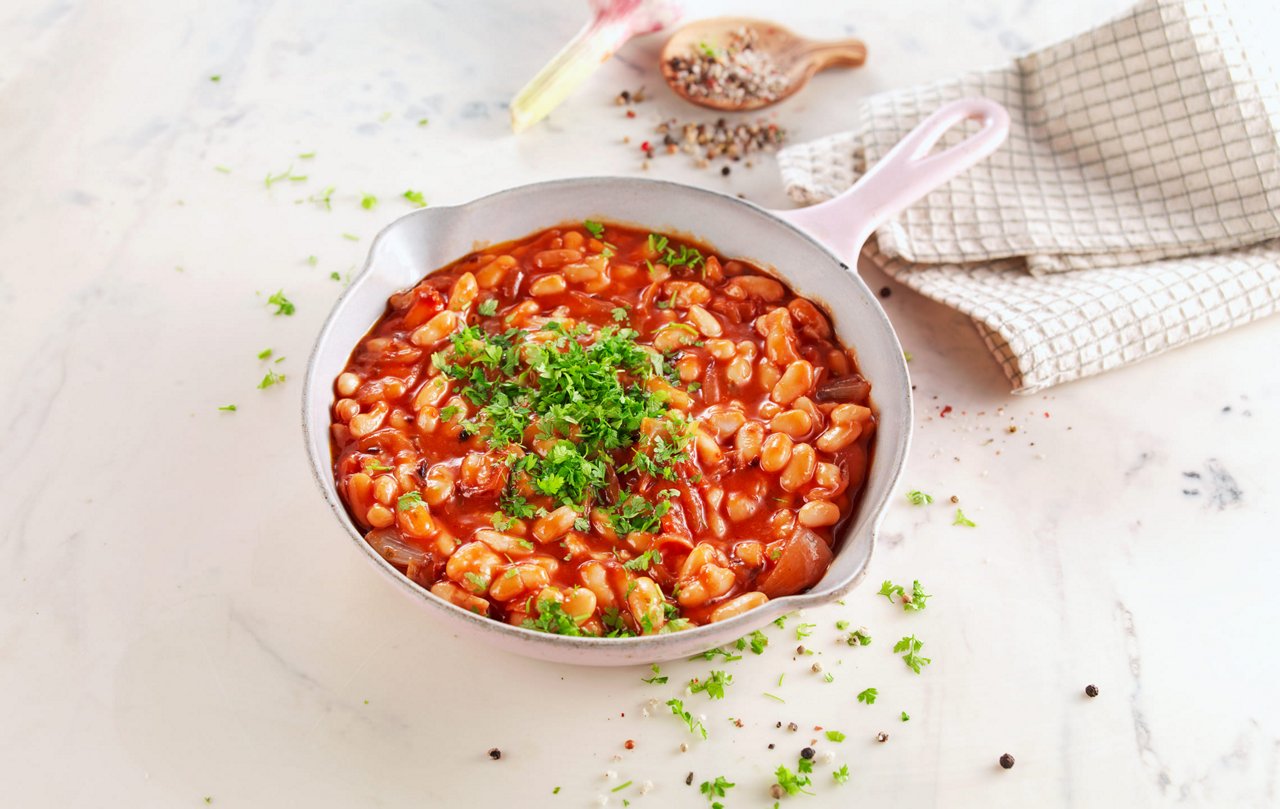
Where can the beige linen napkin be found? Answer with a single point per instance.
(1135, 208)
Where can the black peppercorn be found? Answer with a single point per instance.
(1006, 761)
(495, 753)
(808, 752)
(725, 171)
(1091, 690)
(882, 737)
(885, 292)
(770, 745)
(688, 780)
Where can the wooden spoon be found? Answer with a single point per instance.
(796, 57)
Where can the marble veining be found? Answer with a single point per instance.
(182, 624)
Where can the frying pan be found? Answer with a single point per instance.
(813, 249)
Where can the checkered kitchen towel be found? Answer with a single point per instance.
(1135, 207)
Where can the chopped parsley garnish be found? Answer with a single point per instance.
(264, 354)
(621, 787)
(858, 637)
(914, 602)
(774, 697)
(963, 520)
(842, 625)
(488, 308)
(368, 201)
(713, 685)
(228, 408)
(222, 169)
(757, 639)
(868, 696)
(712, 654)
(584, 393)
(596, 229)
(793, 782)
(835, 736)
(272, 378)
(351, 237)
(312, 260)
(657, 679)
(283, 305)
(716, 789)
(829, 677)
(911, 647)
(695, 726)
(307, 155)
(372, 465)
(781, 621)
(416, 198)
(409, 500)
(215, 78)
(478, 583)
(553, 619)
(918, 498)
(905, 718)
(804, 630)
(841, 775)
(619, 313)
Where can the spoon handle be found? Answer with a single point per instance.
(905, 174)
(841, 53)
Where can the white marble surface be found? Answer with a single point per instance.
(182, 620)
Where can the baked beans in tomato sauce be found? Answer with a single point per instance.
(601, 431)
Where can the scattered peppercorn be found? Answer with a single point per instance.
(793, 727)
(724, 171)
(495, 753)
(1006, 761)
(630, 744)
(885, 292)
(808, 752)
(770, 745)
(688, 780)
(800, 650)
(1091, 690)
(882, 737)
(778, 725)
(776, 792)
(816, 668)
(955, 499)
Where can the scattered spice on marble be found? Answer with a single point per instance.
(719, 139)
(776, 792)
(739, 71)
(495, 753)
(1091, 690)
(628, 97)
(629, 744)
(688, 779)
(882, 737)
(808, 752)
(885, 292)
(1006, 761)
(792, 726)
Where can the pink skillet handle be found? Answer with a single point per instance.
(904, 175)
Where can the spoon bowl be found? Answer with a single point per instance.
(796, 57)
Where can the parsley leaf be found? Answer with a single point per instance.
(835, 736)
(963, 520)
(757, 639)
(905, 718)
(596, 229)
(553, 619)
(695, 726)
(918, 498)
(804, 630)
(409, 500)
(713, 686)
(716, 788)
(283, 305)
(711, 654)
(868, 696)
(272, 378)
(841, 775)
(368, 201)
(859, 637)
(228, 408)
(488, 308)
(620, 313)
(791, 782)
(911, 647)
(657, 678)
(416, 198)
